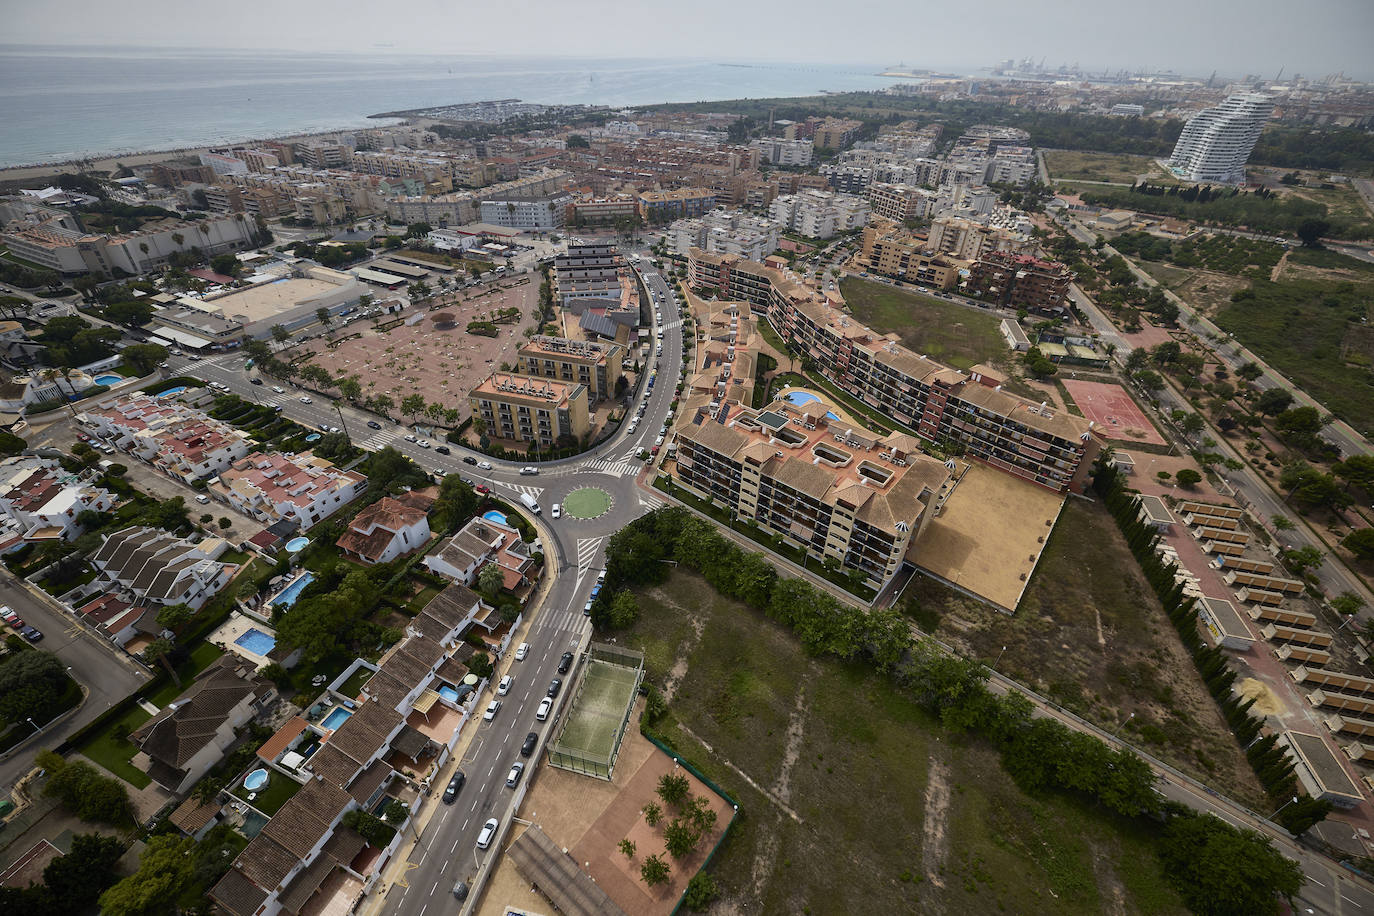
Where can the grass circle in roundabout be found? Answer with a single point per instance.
(587, 502)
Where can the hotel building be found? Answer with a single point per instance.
(968, 411)
(592, 364)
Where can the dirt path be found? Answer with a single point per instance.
(796, 725)
(679, 669)
(935, 826)
(1277, 272)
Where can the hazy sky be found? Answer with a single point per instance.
(1314, 37)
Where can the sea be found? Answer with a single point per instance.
(64, 103)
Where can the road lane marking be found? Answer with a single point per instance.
(1344, 897)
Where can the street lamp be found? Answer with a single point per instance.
(1281, 807)
(999, 659)
(1116, 731)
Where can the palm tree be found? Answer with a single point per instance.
(178, 238)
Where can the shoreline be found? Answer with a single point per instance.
(109, 162)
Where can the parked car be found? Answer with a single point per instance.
(468, 459)
(504, 687)
(565, 663)
(555, 685)
(373, 424)
(522, 651)
(443, 449)
(492, 709)
(528, 747)
(423, 443)
(32, 634)
(513, 777)
(410, 437)
(484, 465)
(483, 489)
(255, 381)
(544, 706)
(460, 890)
(587, 608)
(488, 832)
(455, 785)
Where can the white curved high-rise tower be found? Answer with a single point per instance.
(1216, 142)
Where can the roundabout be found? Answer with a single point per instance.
(587, 503)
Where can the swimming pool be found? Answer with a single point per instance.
(255, 780)
(256, 641)
(287, 596)
(336, 718)
(108, 378)
(313, 437)
(448, 693)
(171, 391)
(296, 545)
(805, 397)
(494, 516)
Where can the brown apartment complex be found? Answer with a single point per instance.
(968, 411)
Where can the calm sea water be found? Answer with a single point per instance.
(63, 103)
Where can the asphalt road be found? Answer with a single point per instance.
(96, 664)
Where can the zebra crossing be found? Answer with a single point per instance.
(520, 488)
(651, 502)
(615, 468)
(378, 440)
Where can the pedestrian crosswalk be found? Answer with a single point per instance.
(651, 502)
(614, 468)
(520, 488)
(378, 440)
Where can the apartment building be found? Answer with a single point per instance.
(272, 487)
(602, 210)
(828, 133)
(593, 364)
(458, 208)
(800, 473)
(967, 240)
(180, 442)
(42, 500)
(901, 202)
(527, 214)
(1014, 165)
(1126, 110)
(778, 151)
(727, 232)
(819, 214)
(659, 207)
(971, 411)
(1217, 142)
(69, 251)
(532, 410)
(894, 252)
(1022, 281)
(318, 155)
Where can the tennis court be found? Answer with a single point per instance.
(1113, 410)
(600, 711)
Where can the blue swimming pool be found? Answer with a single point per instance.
(171, 391)
(296, 545)
(287, 596)
(805, 397)
(336, 718)
(108, 378)
(255, 780)
(313, 437)
(256, 641)
(494, 516)
(448, 693)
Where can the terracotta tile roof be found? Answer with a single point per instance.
(266, 862)
(182, 728)
(236, 894)
(192, 814)
(272, 748)
(305, 819)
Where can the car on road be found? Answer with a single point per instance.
(373, 424)
(513, 777)
(528, 747)
(410, 437)
(32, 634)
(557, 510)
(279, 389)
(483, 489)
(522, 651)
(587, 608)
(529, 470)
(468, 459)
(423, 443)
(484, 465)
(601, 576)
(324, 427)
(492, 709)
(555, 685)
(488, 831)
(565, 663)
(203, 500)
(504, 687)
(443, 450)
(596, 589)
(460, 890)
(658, 442)
(544, 706)
(255, 381)
(305, 399)
(455, 785)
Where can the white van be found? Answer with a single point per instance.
(529, 503)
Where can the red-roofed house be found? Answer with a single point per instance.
(387, 529)
(181, 442)
(45, 500)
(479, 542)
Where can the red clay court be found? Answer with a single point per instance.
(1114, 411)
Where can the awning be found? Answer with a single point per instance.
(181, 337)
(426, 702)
